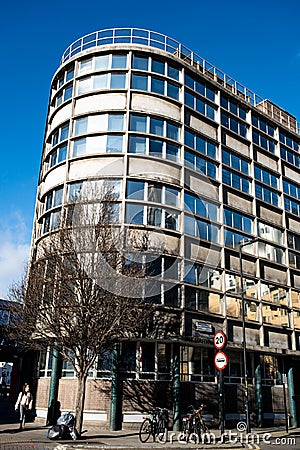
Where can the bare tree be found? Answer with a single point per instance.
(84, 290)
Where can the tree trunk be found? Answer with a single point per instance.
(80, 398)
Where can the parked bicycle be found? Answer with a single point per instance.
(155, 424)
(193, 424)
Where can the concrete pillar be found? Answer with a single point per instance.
(176, 387)
(291, 389)
(115, 421)
(53, 406)
(258, 393)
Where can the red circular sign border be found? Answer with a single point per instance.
(226, 358)
(225, 340)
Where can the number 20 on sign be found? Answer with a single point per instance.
(220, 340)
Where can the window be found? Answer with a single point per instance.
(139, 82)
(98, 144)
(295, 298)
(58, 155)
(173, 72)
(64, 95)
(293, 241)
(99, 123)
(290, 157)
(139, 62)
(200, 275)
(235, 162)
(270, 252)
(233, 107)
(291, 189)
(155, 126)
(269, 366)
(104, 365)
(233, 285)
(153, 147)
(288, 141)
(275, 315)
(138, 123)
(263, 125)
(197, 364)
(201, 207)
(268, 232)
(60, 134)
(154, 84)
(274, 294)
(263, 142)
(266, 177)
(292, 206)
(236, 220)
(199, 105)
(233, 124)
(45, 363)
(64, 77)
(201, 145)
(236, 181)
(134, 213)
(201, 229)
(128, 359)
(103, 62)
(199, 164)
(135, 190)
(103, 81)
(233, 239)
(267, 195)
(53, 198)
(137, 144)
(147, 360)
(51, 221)
(294, 260)
(234, 308)
(199, 87)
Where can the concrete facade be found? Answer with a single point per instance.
(203, 164)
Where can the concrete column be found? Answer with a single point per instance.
(53, 406)
(115, 422)
(291, 389)
(258, 393)
(176, 387)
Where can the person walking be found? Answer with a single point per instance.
(24, 403)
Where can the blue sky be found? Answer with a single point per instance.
(256, 42)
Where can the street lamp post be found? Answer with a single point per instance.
(247, 411)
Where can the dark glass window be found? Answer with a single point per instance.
(157, 85)
(158, 67)
(140, 82)
(138, 123)
(140, 63)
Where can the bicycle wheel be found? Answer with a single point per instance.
(201, 430)
(161, 429)
(145, 430)
(186, 430)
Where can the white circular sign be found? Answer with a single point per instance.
(221, 360)
(219, 340)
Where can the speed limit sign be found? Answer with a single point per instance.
(219, 340)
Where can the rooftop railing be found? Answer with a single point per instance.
(157, 40)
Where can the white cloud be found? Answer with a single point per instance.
(14, 251)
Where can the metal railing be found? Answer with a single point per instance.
(160, 41)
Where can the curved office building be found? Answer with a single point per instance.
(205, 164)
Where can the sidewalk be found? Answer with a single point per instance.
(34, 437)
